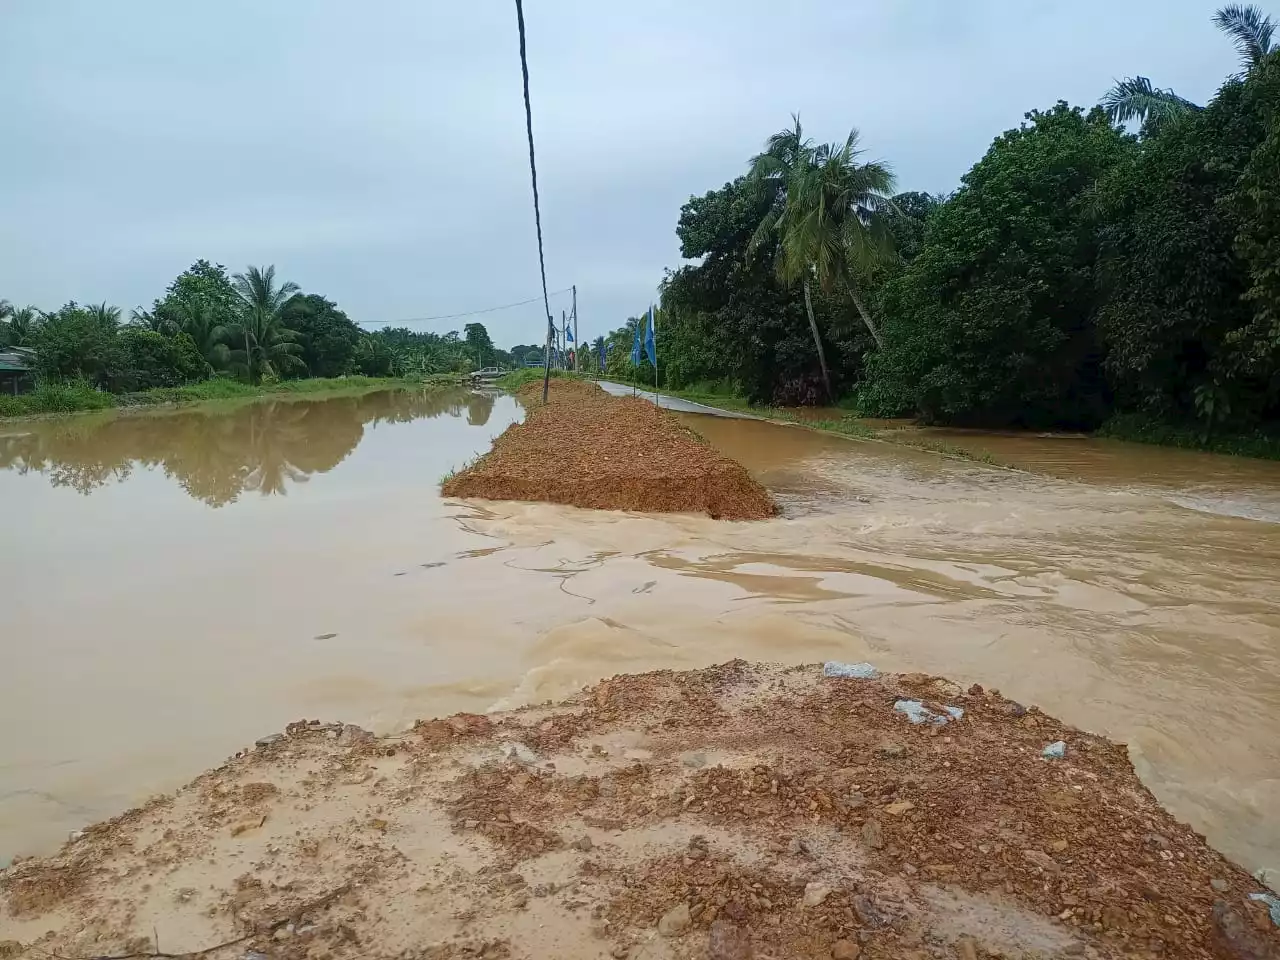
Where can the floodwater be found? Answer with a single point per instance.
(176, 585)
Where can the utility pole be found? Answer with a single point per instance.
(546, 359)
(577, 346)
(564, 344)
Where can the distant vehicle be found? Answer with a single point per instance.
(488, 373)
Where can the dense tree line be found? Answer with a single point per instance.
(1080, 271)
(210, 324)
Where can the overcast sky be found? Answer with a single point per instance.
(375, 152)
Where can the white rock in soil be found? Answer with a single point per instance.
(675, 921)
(815, 893)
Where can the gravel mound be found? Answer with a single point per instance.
(734, 812)
(589, 449)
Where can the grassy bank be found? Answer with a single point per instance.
(1131, 427)
(1139, 429)
(54, 398)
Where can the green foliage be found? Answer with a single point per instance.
(522, 353)
(992, 322)
(326, 335)
(77, 343)
(372, 356)
(1250, 30)
(1137, 98)
(398, 351)
(730, 318)
(19, 329)
(826, 211)
(261, 345)
(1256, 205)
(203, 286)
(1187, 225)
(55, 397)
(149, 359)
(1141, 428)
(479, 347)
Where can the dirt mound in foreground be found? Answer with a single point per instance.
(589, 449)
(731, 812)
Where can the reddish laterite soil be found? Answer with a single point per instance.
(589, 449)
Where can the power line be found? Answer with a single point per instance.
(533, 176)
(455, 316)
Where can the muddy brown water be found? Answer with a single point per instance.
(176, 584)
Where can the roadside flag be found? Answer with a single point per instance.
(568, 334)
(635, 346)
(650, 343)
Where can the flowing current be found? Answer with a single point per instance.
(174, 585)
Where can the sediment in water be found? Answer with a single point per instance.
(715, 813)
(589, 449)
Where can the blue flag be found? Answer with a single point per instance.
(650, 343)
(568, 333)
(635, 347)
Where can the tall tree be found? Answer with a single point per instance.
(78, 342)
(328, 337)
(827, 211)
(1250, 30)
(478, 342)
(202, 281)
(1136, 98)
(198, 318)
(261, 344)
(20, 328)
(106, 315)
(994, 321)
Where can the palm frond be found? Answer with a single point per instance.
(1135, 98)
(1250, 30)
(764, 231)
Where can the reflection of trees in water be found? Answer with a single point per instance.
(480, 408)
(216, 455)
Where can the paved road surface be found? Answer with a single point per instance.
(674, 403)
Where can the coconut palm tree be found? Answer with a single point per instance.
(261, 344)
(196, 318)
(20, 327)
(148, 320)
(827, 211)
(105, 315)
(1250, 30)
(1136, 98)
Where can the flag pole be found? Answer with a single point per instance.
(653, 332)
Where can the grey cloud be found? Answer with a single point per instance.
(375, 152)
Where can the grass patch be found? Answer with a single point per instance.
(454, 471)
(1139, 429)
(846, 425)
(56, 398)
(941, 447)
(52, 398)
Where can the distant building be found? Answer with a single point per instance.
(17, 369)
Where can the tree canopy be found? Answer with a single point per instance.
(1079, 275)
